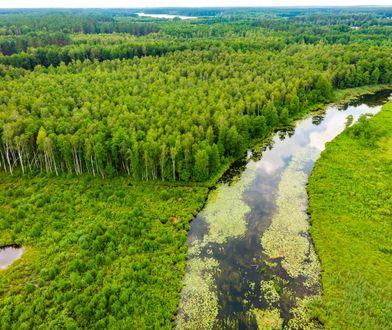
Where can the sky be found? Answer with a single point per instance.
(182, 3)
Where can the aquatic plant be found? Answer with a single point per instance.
(225, 215)
(287, 238)
(268, 292)
(225, 211)
(268, 319)
(301, 319)
(199, 302)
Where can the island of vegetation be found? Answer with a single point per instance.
(113, 127)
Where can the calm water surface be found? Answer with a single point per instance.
(9, 254)
(165, 16)
(251, 260)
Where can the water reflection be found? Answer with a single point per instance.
(249, 282)
(317, 120)
(370, 100)
(9, 254)
(166, 16)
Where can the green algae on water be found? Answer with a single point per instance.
(301, 317)
(268, 319)
(225, 211)
(199, 302)
(269, 293)
(225, 214)
(287, 238)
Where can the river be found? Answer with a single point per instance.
(251, 261)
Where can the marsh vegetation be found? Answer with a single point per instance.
(251, 258)
(350, 204)
(114, 128)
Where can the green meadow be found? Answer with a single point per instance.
(350, 205)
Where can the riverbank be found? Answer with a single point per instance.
(345, 95)
(341, 96)
(230, 277)
(85, 235)
(350, 205)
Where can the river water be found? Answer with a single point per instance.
(251, 263)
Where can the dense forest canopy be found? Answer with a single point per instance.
(94, 101)
(106, 92)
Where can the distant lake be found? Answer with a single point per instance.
(165, 16)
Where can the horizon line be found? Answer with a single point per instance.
(210, 7)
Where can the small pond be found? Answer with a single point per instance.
(8, 254)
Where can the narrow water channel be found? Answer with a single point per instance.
(251, 262)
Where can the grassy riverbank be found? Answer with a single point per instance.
(99, 252)
(350, 204)
(344, 95)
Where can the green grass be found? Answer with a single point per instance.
(350, 204)
(100, 254)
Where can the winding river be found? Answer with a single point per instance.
(251, 261)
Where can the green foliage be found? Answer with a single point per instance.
(285, 239)
(98, 254)
(201, 167)
(156, 118)
(350, 204)
(109, 93)
(103, 93)
(363, 132)
(268, 319)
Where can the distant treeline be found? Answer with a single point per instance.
(43, 39)
(88, 92)
(11, 24)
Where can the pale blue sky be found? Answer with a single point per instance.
(182, 3)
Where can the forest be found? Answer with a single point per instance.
(113, 128)
(91, 95)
